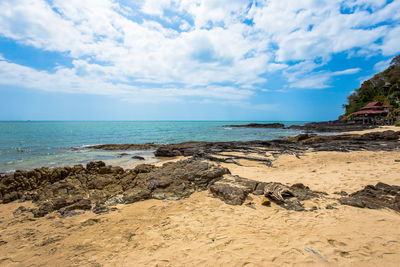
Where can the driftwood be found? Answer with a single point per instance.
(277, 191)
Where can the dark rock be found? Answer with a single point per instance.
(385, 136)
(138, 157)
(147, 146)
(100, 208)
(257, 125)
(20, 210)
(293, 204)
(330, 207)
(136, 195)
(83, 204)
(232, 189)
(143, 168)
(120, 155)
(166, 152)
(300, 137)
(94, 165)
(61, 205)
(381, 141)
(71, 213)
(67, 189)
(355, 202)
(375, 197)
(9, 197)
(259, 190)
(44, 209)
(100, 182)
(290, 197)
(277, 192)
(333, 126)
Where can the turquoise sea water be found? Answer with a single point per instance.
(27, 145)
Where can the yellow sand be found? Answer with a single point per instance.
(204, 231)
(380, 129)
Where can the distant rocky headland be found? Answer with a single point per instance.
(257, 125)
(325, 126)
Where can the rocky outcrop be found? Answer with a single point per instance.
(289, 197)
(375, 197)
(322, 127)
(147, 146)
(78, 188)
(257, 125)
(333, 126)
(233, 190)
(277, 191)
(377, 141)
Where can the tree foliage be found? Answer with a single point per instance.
(395, 60)
(383, 87)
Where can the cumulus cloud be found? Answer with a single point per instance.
(173, 49)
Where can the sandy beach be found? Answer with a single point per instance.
(199, 133)
(203, 231)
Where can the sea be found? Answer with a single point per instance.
(30, 144)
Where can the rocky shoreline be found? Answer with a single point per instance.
(214, 151)
(99, 188)
(336, 126)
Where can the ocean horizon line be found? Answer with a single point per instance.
(158, 121)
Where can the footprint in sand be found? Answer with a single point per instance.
(336, 243)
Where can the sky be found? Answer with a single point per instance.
(266, 60)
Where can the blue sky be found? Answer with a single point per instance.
(190, 59)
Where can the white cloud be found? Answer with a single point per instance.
(382, 65)
(155, 7)
(298, 77)
(345, 72)
(391, 42)
(140, 53)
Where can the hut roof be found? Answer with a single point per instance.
(375, 104)
(369, 112)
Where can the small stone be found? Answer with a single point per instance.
(266, 202)
(138, 157)
(19, 211)
(330, 207)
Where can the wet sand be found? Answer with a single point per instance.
(204, 231)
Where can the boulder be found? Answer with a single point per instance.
(136, 195)
(375, 197)
(232, 190)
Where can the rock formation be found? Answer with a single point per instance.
(257, 125)
(375, 197)
(78, 188)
